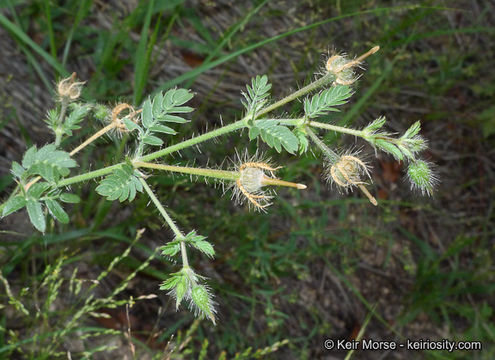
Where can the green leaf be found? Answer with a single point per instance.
(17, 169)
(122, 184)
(276, 135)
(205, 247)
(152, 140)
(171, 249)
(48, 162)
(257, 94)
(389, 148)
(36, 190)
(254, 132)
(36, 215)
(377, 124)
(412, 131)
(172, 281)
(324, 102)
(180, 290)
(172, 118)
(147, 114)
(131, 125)
(201, 299)
(57, 211)
(75, 117)
(14, 204)
(70, 198)
(303, 140)
(163, 129)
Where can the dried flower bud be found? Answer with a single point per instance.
(342, 67)
(68, 88)
(117, 118)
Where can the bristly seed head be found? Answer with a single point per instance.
(349, 171)
(252, 178)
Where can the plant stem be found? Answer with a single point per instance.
(92, 138)
(195, 140)
(240, 124)
(324, 80)
(88, 176)
(63, 110)
(330, 154)
(340, 129)
(218, 174)
(168, 220)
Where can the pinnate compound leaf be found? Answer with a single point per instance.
(162, 109)
(122, 184)
(277, 136)
(48, 162)
(325, 101)
(36, 215)
(257, 94)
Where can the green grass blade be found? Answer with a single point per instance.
(142, 60)
(17, 32)
(51, 36)
(204, 67)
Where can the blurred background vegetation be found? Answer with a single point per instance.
(318, 263)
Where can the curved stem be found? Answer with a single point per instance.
(92, 138)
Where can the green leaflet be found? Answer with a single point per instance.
(275, 135)
(201, 299)
(48, 162)
(172, 248)
(36, 215)
(122, 184)
(14, 204)
(162, 108)
(325, 101)
(57, 211)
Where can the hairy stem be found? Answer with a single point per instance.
(195, 140)
(168, 220)
(218, 174)
(340, 129)
(326, 79)
(331, 155)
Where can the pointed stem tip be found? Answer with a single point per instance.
(370, 197)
